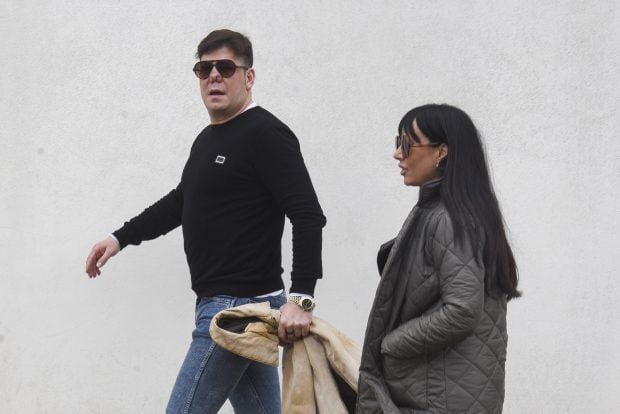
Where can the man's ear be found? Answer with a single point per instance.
(250, 77)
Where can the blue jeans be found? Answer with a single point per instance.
(210, 374)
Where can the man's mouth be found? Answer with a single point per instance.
(216, 93)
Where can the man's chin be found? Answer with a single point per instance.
(216, 104)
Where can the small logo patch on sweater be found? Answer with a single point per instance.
(220, 159)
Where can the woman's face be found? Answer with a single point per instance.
(420, 165)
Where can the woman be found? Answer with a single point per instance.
(436, 336)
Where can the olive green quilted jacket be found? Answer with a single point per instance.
(435, 342)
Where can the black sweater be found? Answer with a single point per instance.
(240, 180)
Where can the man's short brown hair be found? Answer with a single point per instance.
(239, 44)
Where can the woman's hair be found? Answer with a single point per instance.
(467, 191)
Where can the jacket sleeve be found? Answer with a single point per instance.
(461, 284)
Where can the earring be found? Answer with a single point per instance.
(437, 165)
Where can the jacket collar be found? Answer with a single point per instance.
(429, 192)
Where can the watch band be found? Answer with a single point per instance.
(306, 303)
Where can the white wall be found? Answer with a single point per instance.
(99, 108)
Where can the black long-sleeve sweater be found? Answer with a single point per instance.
(242, 177)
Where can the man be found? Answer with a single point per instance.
(245, 172)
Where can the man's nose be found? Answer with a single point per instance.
(215, 75)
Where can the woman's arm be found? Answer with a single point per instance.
(461, 284)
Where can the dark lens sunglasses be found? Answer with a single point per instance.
(407, 143)
(226, 68)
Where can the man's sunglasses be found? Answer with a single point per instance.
(225, 67)
(407, 143)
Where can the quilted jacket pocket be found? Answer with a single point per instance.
(407, 381)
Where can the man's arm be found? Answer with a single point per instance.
(154, 221)
(281, 167)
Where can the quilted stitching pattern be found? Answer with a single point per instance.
(435, 342)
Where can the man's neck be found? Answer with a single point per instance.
(223, 120)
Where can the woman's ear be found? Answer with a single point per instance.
(443, 152)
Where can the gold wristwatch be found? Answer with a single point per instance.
(307, 304)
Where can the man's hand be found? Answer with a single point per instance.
(100, 254)
(294, 323)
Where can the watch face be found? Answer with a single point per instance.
(306, 304)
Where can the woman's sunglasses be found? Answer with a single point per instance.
(225, 67)
(407, 143)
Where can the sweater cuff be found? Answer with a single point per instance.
(305, 286)
(120, 236)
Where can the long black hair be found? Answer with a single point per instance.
(467, 191)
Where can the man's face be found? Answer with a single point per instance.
(224, 97)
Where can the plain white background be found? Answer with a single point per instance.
(99, 108)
